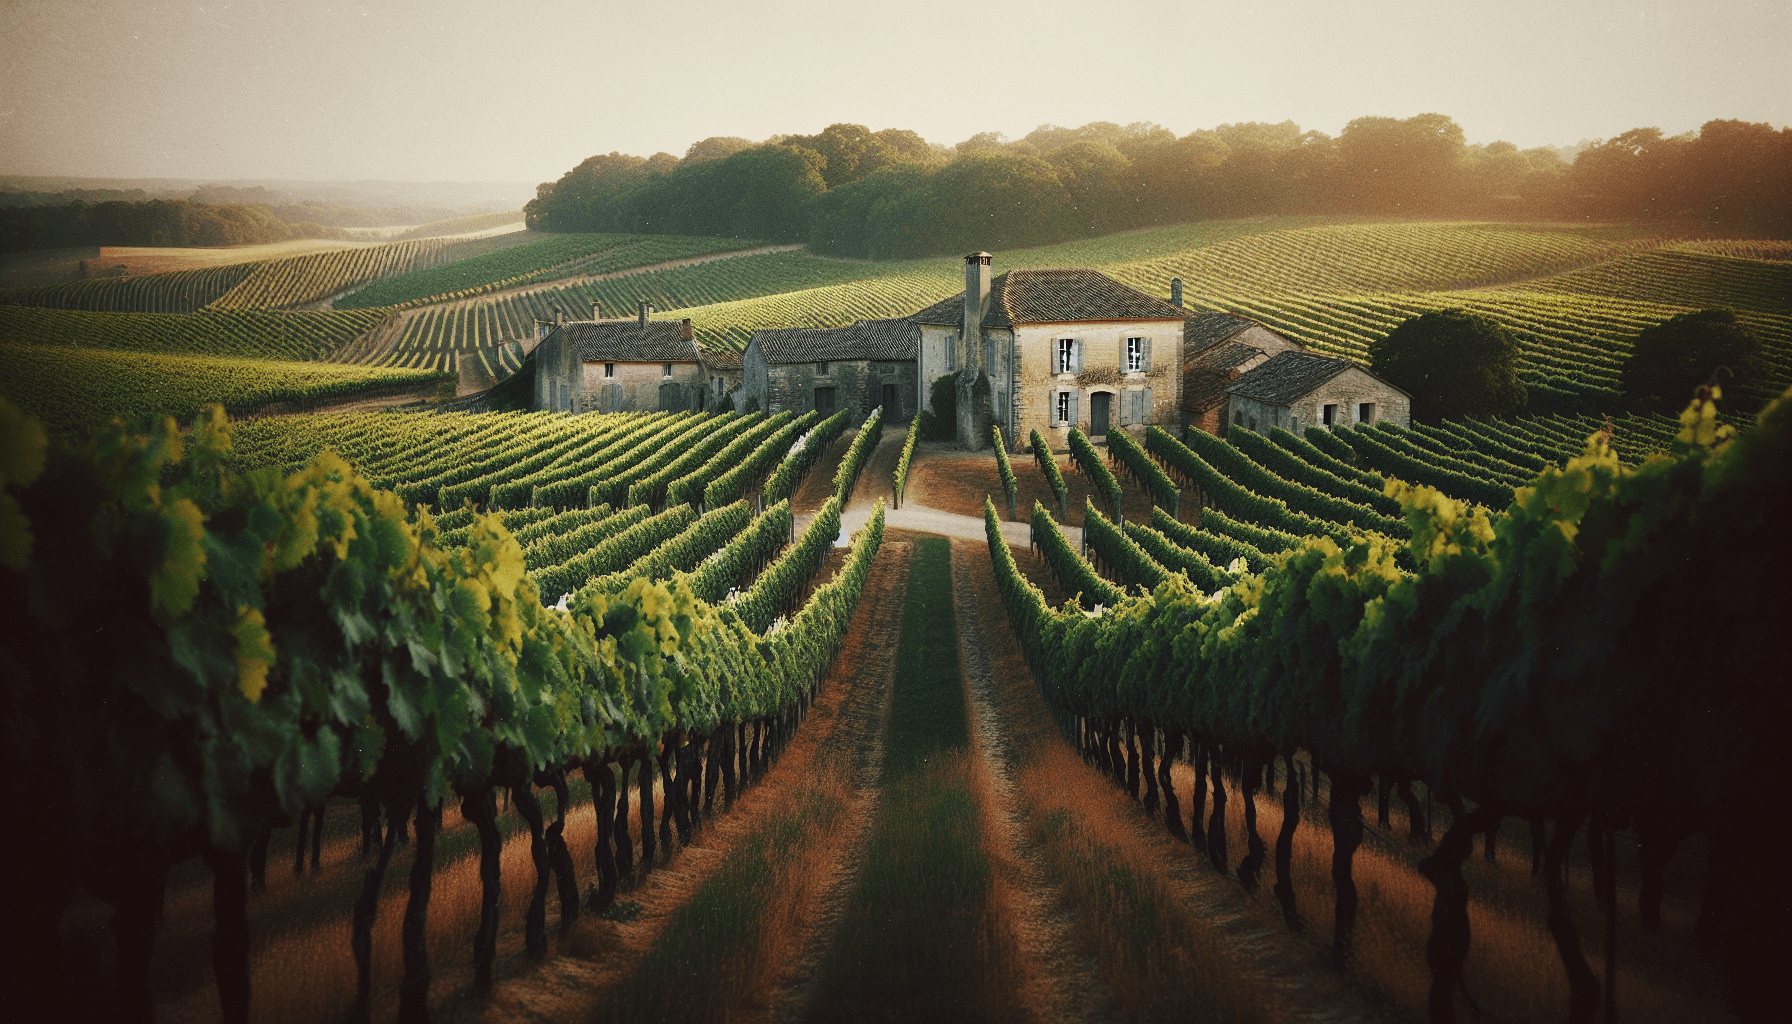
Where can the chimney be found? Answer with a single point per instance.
(646, 311)
(684, 328)
(559, 318)
(976, 301)
(596, 314)
(1175, 291)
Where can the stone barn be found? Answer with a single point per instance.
(633, 365)
(1049, 349)
(1297, 390)
(858, 368)
(1219, 348)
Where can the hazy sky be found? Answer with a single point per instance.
(433, 90)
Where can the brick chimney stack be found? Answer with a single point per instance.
(684, 328)
(559, 318)
(1175, 291)
(646, 311)
(596, 314)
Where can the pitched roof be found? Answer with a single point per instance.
(1208, 328)
(1288, 376)
(866, 339)
(1204, 385)
(721, 358)
(656, 341)
(1061, 295)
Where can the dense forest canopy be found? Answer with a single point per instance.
(853, 192)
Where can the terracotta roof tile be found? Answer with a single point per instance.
(1066, 295)
(1289, 375)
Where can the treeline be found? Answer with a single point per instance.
(853, 192)
(153, 222)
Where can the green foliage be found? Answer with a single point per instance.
(1452, 362)
(1048, 466)
(1146, 473)
(1669, 360)
(900, 477)
(1115, 549)
(73, 390)
(1074, 574)
(1004, 471)
(802, 458)
(733, 483)
(1516, 665)
(1378, 450)
(863, 444)
(1087, 459)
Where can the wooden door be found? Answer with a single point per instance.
(1099, 404)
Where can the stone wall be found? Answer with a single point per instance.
(1346, 393)
(858, 386)
(637, 387)
(1037, 382)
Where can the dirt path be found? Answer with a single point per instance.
(1060, 982)
(839, 744)
(1209, 951)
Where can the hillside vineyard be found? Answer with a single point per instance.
(638, 664)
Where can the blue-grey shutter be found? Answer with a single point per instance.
(1127, 398)
(1051, 408)
(1146, 345)
(1145, 402)
(1076, 356)
(1076, 397)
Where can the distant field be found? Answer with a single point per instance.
(74, 389)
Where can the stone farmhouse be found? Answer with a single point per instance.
(1297, 390)
(1052, 349)
(1218, 348)
(857, 368)
(633, 365)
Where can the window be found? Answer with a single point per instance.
(824, 400)
(1328, 414)
(821, 369)
(952, 353)
(665, 369)
(1135, 355)
(1253, 423)
(609, 369)
(1063, 407)
(1066, 356)
(1238, 418)
(1365, 413)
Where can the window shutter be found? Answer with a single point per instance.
(1076, 397)
(1145, 395)
(1146, 344)
(1051, 408)
(1127, 398)
(1076, 356)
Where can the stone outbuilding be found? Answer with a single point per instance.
(1219, 347)
(634, 365)
(858, 368)
(1049, 349)
(1297, 390)
(723, 377)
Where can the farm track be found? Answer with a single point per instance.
(840, 739)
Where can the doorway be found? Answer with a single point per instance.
(892, 402)
(1099, 404)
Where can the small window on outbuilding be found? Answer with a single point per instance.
(609, 369)
(821, 368)
(1238, 418)
(1365, 412)
(1328, 415)
(1135, 355)
(665, 369)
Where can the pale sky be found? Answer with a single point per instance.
(521, 90)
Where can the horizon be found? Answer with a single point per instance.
(361, 92)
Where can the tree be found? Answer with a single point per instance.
(1453, 363)
(1670, 359)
